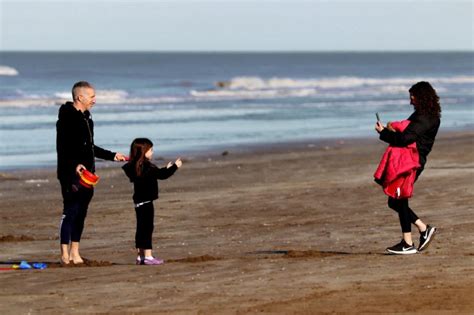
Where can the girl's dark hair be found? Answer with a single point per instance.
(138, 149)
(427, 101)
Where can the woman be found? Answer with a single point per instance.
(422, 130)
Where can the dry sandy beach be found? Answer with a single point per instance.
(290, 229)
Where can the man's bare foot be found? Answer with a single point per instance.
(65, 257)
(74, 255)
(76, 260)
(64, 260)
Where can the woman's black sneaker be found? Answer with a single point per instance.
(402, 248)
(426, 237)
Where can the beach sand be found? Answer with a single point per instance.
(290, 229)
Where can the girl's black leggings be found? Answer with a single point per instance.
(145, 216)
(406, 215)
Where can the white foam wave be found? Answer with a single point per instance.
(259, 88)
(271, 93)
(111, 98)
(398, 83)
(8, 71)
(344, 86)
(103, 96)
(27, 102)
(58, 98)
(111, 95)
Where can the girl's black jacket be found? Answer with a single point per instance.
(146, 186)
(75, 143)
(422, 130)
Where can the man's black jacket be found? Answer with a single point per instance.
(422, 130)
(75, 143)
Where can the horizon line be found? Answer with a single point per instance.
(236, 51)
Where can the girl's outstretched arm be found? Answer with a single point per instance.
(166, 172)
(178, 163)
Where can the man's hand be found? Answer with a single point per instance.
(119, 157)
(79, 169)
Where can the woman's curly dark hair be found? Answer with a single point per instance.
(427, 101)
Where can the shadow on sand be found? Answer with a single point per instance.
(309, 253)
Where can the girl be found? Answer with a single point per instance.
(422, 130)
(144, 175)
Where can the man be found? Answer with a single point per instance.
(76, 152)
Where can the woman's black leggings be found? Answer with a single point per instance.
(406, 215)
(145, 216)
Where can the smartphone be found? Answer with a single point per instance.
(378, 117)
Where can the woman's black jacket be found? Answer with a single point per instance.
(422, 130)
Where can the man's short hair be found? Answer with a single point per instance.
(80, 85)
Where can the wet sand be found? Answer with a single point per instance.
(290, 229)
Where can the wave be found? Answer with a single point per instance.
(58, 98)
(344, 82)
(270, 93)
(52, 101)
(344, 86)
(243, 88)
(8, 71)
(102, 96)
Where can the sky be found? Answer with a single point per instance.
(236, 25)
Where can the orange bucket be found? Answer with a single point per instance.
(88, 179)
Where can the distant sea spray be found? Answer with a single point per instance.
(8, 71)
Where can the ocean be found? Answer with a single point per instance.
(198, 102)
